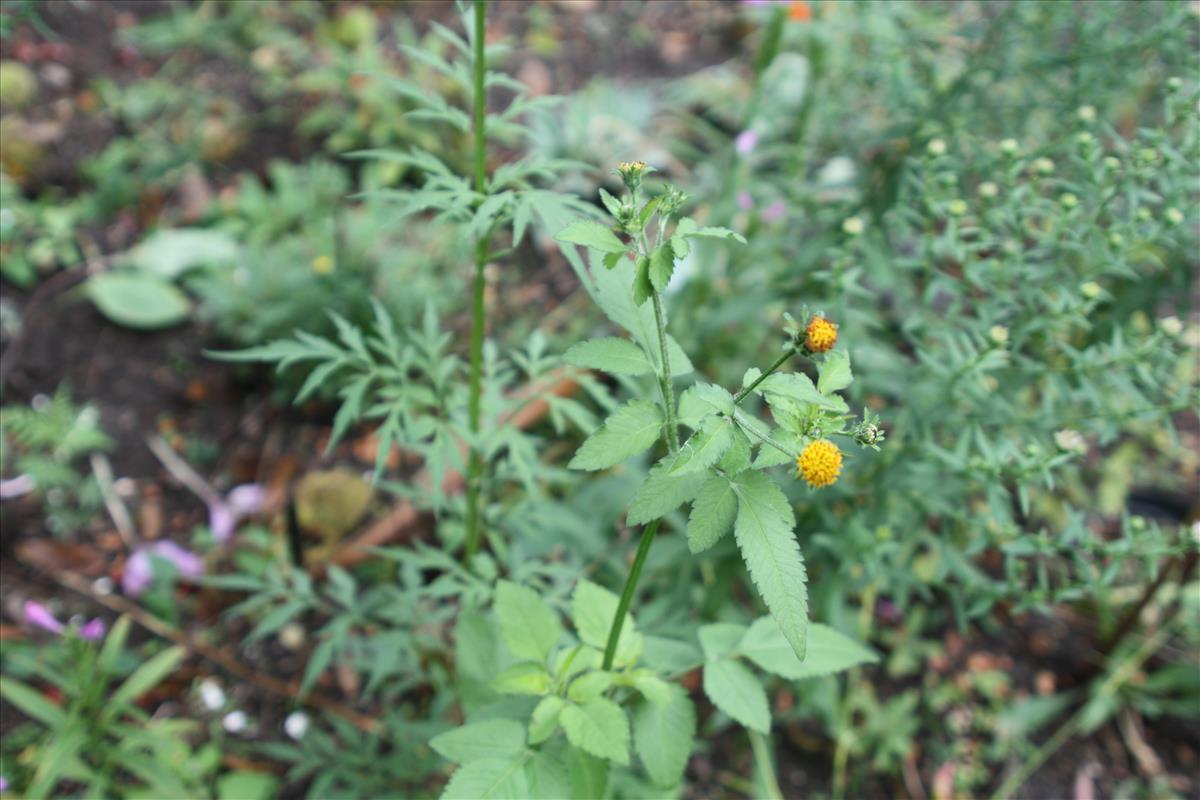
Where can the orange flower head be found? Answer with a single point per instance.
(819, 463)
(822, 335)
(800, 11)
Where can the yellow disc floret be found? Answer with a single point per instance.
(819, 463)
(822, 335)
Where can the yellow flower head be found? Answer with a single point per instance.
(822, 335)
(819, 463)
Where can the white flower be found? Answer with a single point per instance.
(936, 147)
(235, 721)
(988, 189)
(1171, 326)
(1087, 113)
(1070, 441)
(212, 696)
(291, 636)
(296, 725)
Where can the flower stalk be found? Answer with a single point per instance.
(475, 459)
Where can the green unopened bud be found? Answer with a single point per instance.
(1086, 113)
(1174, 84)
(988, 190)
(1043, 166)
(936, 147)
(1068, 200)
(1009, 147)
(1174, 216)
(957, 208)
(631, 173)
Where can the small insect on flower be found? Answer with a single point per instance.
(821, 335)
(819, 463)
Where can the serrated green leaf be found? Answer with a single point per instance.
(544, 720)
(662, 493)
(712, 514)
(704, 448)
(592, 234)
(611, 354)
(734, 689)
(828, 651)
(588, 775)
(599, 727)
(591, 685)
(526, 677)
(643, 287)
(798, 387)
(835, 372)
(763, 529)
(547, 777)
(717, 232)
(651, 687)
(661, 267)
(592, 610)
(498, 778)
(680, 363)
(529, 627)
(491, 738)
(628, 431)
(716, 397)
(737, 458)
(663, 735)
(719, 639)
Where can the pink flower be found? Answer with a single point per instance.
(3, 784)
(221, 521)
(94, 630)
(744, 201)
(746, 141)
(39, 616)
(775, 212)
(139, 569)
(247, 499)
(242, 501)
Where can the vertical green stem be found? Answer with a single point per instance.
(475, 460)
(664, 378)
(635, 572)
(766, 768)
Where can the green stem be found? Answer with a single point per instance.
(635, 572)
(475, 461)
(791, 351)
(766, 769)
(664, 378)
